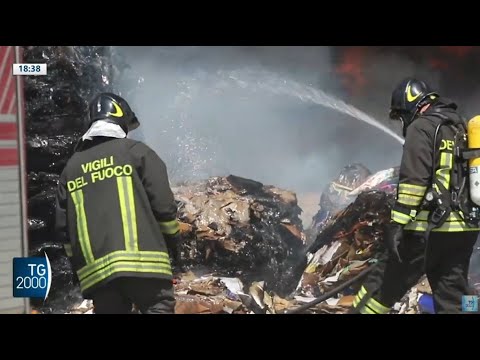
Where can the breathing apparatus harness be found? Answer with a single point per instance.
(442, 201)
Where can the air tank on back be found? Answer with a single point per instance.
(473, 128)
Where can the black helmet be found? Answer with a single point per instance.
(114, 109)
(408, 98)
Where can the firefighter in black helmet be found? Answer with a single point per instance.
(113, 109)
(426, 232)
(407, 100)
(116, 208)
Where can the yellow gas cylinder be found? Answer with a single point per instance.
(473, 129)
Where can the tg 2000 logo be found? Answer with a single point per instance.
(32, 277)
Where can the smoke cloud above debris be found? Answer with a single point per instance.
(370, 73)
(213, 111)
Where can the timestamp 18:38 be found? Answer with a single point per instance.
(29, 69)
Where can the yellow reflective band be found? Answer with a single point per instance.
(357, 299)
(452, 226)
(82, 227)
(361, 293)
(411, 189)
(443, 173)
(122, 255)
(377, 307)
(132, 212)
(400, 218)
(137, 267)
(454, 216)
(169, 227)
(411, 200)
(366, 310)
(127, 208)
(68, 249)
(454, 223)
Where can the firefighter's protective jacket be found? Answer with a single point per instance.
(113, 203)
(416, 169)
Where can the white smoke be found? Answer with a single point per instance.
(204, 123)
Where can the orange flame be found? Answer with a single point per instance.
(351, 68)
(353, 61)
(438, 64)
(458, 51)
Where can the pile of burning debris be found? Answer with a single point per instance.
(348, 242)
(240, 227)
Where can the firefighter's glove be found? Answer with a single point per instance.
(173, 245)
(392, 236)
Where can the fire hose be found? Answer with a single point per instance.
(332, 292)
